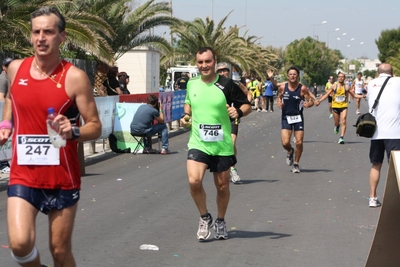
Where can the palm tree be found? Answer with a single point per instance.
(82, 27)
(241, 52)
(132, 26)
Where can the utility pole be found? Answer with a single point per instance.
(212, 9)
(245, 16)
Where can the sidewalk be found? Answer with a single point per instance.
(99, 149)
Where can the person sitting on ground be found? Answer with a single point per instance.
(142, 123)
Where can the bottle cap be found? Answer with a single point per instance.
(50, 110)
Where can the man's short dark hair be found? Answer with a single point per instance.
(7, 61)
(203, 49)
(293, 68)
(47, 11)
(152, 99)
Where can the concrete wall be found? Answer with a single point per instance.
(143, 67)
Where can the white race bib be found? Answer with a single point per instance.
(293, 119)
(211, 132)
(340, 98)
(36, 150)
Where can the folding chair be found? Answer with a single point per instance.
(140, 143)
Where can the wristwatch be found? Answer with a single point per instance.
(76, 133)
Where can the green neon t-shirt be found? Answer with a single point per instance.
(211, 125)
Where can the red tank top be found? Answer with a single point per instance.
(30, 100)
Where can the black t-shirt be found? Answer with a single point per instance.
(182, 82)
(111, 84)
(124, 89)
(233, 94)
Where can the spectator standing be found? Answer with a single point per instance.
(4, 78)
(211, 101)
(4, 166)
(111, 84)
(123, 79)
(269, 94)
(49, 183)
(142, 123)
(387, 115)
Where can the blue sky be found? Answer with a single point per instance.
(278, 23)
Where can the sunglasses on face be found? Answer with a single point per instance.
(223, 70)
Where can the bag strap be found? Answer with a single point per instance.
(112, 89)
(379, 95)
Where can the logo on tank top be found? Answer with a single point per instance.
(23, 82)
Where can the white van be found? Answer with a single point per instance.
(174, 73)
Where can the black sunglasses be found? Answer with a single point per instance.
(223, 70)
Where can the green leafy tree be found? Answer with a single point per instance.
(395, 62)
(314, 58)
(369, 73)
(388, 44)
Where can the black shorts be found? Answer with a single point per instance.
(45, 200)
(378, 148)
(235, 127)
(338, 110)
(329, 99)
(214, 163)
(299, 126)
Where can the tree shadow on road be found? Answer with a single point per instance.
(255, 234)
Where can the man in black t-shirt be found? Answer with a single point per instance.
(182, 81)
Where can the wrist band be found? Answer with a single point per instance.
(184, 114)
(6, 124)
(240, 112)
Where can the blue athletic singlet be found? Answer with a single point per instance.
(292, 101)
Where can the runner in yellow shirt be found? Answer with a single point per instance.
(327, 88)
(339, 92)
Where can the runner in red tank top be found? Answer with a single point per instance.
(44, 178)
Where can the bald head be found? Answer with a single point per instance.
(385, 68)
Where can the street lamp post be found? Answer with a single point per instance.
(327, 43)
(314, 25)
(349, 41)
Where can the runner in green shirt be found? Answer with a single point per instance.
(211, 100)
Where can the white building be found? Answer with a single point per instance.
(366, 64)
(143, 67)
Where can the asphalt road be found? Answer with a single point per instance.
(319, 217)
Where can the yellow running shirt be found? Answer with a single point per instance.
(339, 97)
